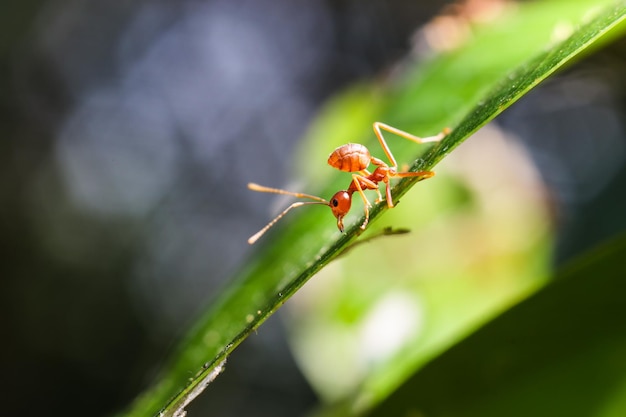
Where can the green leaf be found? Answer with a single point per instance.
(561, 352)
(448, 90)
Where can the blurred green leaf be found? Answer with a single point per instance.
(561, 352)
(288, 256)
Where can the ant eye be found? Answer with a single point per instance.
(335, 203)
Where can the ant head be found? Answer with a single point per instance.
(340, 205)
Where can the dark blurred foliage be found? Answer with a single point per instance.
(129, 130)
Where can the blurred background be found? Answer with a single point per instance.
(129, 130)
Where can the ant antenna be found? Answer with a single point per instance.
(263, 189)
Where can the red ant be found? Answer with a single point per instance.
(355, 158)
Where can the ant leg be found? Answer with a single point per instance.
(423, 174)
(379, 134)
(359, 179)
(371, 185)
(380, 196)
(366, 203)
(364, 175)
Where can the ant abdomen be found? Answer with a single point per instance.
(352, 157)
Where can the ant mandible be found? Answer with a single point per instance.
(355, 158)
